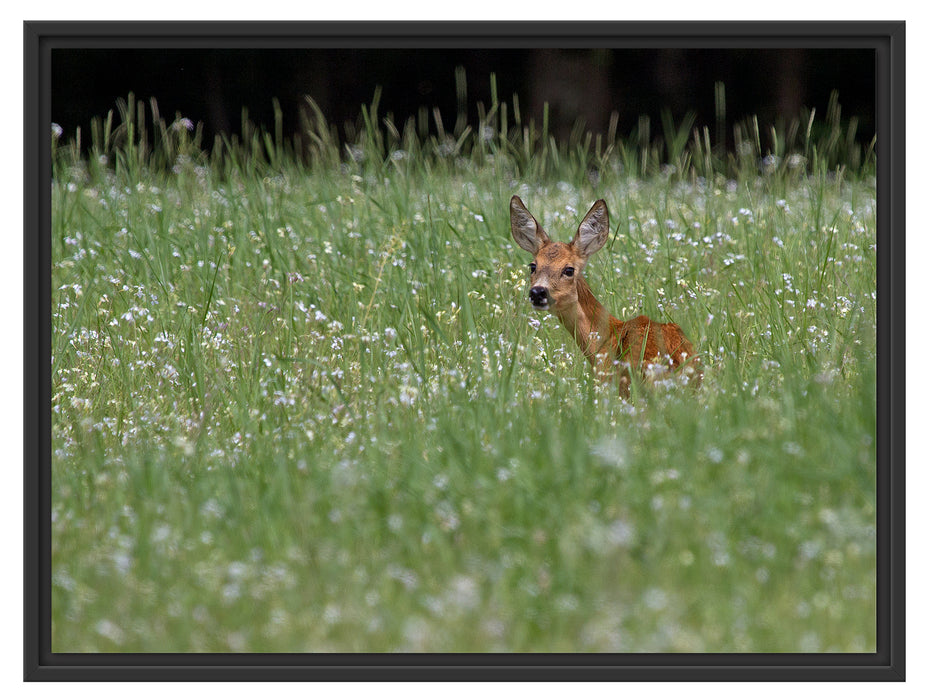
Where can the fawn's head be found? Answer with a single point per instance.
(556, 266)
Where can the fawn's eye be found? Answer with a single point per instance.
(569, 271)
(533, 268)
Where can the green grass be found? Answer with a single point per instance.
(300, 401)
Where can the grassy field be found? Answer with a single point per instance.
(303, 404)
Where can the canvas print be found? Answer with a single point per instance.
(463, 350)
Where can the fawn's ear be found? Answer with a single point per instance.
(527, 232)
(593, 231)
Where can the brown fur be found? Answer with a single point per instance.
(611, 346)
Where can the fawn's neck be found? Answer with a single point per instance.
(587, 321)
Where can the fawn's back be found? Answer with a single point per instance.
(642, 341)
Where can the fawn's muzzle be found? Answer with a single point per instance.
(539, 296)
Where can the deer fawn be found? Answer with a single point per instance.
(612, 346)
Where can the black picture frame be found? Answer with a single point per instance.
(887, 39)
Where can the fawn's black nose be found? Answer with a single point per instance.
(538, 296)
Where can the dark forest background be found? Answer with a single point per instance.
(212, 86)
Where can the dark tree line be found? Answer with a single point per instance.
(213, 86)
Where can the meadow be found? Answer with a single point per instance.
(300, 402)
